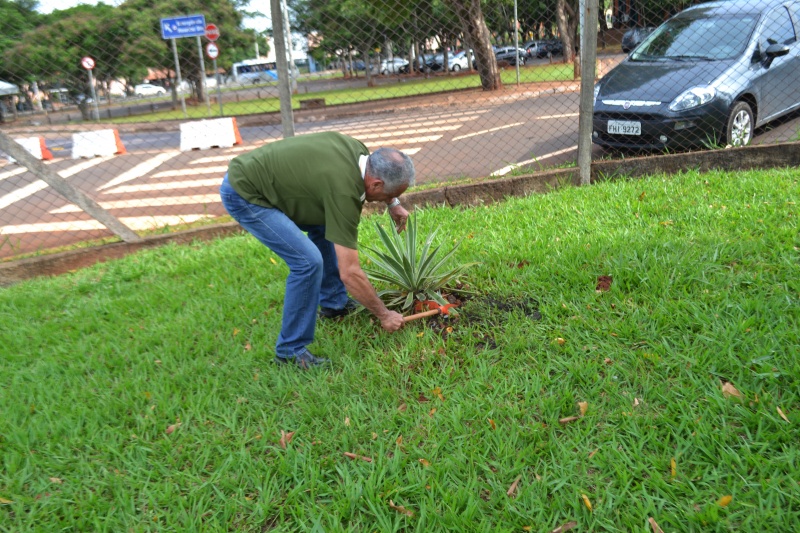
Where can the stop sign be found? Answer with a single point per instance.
(212, 32)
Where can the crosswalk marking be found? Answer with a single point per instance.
(190, 172)
(141, 169)
(211, 182)
(38, 185)
(135, 223)
(147, 202)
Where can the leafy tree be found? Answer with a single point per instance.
(16, 17)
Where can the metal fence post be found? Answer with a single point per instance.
(588, 65)
(284, 80)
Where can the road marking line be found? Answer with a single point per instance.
(166, 186)
(407, 151)
(388, 137)
(191, 171)
(135, 223)
(490, 130)
(416, 125)
(141, 169)
(147, 202)
(213, 159)
(557, 116)
(38, 185)
(12, 173)
(505, 170)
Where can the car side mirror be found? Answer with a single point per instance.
(773, 51)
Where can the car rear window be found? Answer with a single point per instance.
(720, 37)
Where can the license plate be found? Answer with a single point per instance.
(624, 127)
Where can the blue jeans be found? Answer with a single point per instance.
(313, 270)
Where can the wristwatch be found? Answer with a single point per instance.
(394, 203)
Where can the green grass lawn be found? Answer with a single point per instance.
(140, 394)
(408, 87)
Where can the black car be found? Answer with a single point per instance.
(709, 75)
(551, 48)
(634, 36)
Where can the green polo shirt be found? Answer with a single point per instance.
(314, 179)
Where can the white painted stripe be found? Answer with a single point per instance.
(148, 202)
(215, 159)
(419, 125)
(505, 170)
(490, 130)
(141, 169)
(212, 182)
(547, 117)
(135, 223)
(38, 185)
(400, 140)
(191, 171)
(12, 173)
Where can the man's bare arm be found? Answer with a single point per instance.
(357, 283)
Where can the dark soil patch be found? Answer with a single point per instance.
(487, 315)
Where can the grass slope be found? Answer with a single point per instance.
(97, 365)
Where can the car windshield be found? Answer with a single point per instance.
(704, 38)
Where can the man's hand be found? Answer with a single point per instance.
(399, 215)
(392, 321)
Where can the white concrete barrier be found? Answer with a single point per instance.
(205, 134)
(97, 143)
(36, 146)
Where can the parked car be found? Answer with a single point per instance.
(148, 89)
(710, 74)
(634, 36)
(396, 65)
(358, 64)
(552, 48)
(534, 49)
(511, 55)
(460, 60)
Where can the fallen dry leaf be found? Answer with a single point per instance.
(636, 402)
(347, 421)
(729, 390)
(286, 438)
(374, 435)
(655, 527)
(673, 467)
(235, 331)
(400, 509)
(173, 427)
(594, 452)
(583, 406)
(3, 501)
(399, 440)
(608, 361)
(432, 412)
(780, 412)
(568, 419)
(513, 488)
(402, 408)
(491, 423)
(354, 456)
(561, 341)
(425, 463)
(438, 392)
(272, 260)
(565, 527)
(247, 347)
(586, 502)
(422, 398)
(725, 500)
(56, 480)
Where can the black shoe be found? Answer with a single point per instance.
(304, 360)
(349, 307)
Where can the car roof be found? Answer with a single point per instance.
(728, 7)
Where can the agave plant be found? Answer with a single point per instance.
(411, 273)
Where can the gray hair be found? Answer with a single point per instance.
(394, 168)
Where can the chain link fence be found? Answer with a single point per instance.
(135, 109)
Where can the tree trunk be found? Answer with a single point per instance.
(567, 20)
(470, 15)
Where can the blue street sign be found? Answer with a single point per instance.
(188, 26)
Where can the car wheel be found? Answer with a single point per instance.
(456, 68)
(739, 131)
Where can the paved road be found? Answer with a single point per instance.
(155, 185)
